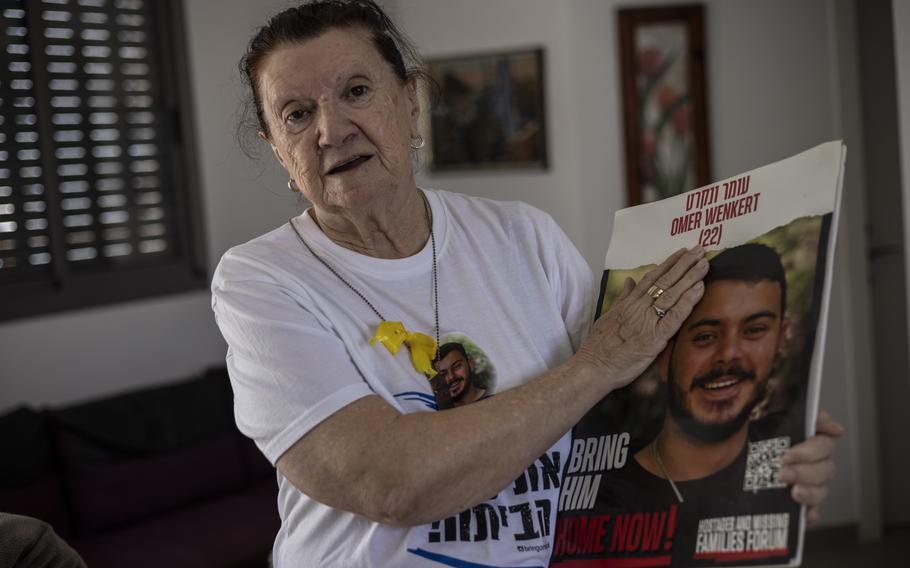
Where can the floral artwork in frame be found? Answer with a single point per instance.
(662, 55)
(490, 112)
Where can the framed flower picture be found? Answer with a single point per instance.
(662, 53)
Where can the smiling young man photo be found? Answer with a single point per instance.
(717, 370)
(457, 369)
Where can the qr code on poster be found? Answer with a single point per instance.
(763, 464)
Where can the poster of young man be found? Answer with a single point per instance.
(681, 467)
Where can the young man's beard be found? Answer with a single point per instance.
(713, 432)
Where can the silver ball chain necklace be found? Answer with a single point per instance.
(663, 470)
(393, 334)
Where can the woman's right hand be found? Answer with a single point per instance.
(628, 337)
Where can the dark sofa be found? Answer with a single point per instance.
(157, 477)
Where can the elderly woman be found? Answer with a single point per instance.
(333, 319)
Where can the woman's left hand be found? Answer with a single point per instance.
(809, 466)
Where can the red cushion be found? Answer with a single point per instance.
(107, 494)
(231, 531)
(41, 499)
(258, 467)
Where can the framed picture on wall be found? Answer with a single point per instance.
(490, 112)
(662, 53)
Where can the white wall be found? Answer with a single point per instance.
(83, 354)
(243, 197)
(772, 91)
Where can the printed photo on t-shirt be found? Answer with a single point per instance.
(464, 372)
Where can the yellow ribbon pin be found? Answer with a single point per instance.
(422, 347)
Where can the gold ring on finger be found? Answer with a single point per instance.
(660, 312)
(655, 291)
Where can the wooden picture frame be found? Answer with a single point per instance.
(490, 113)
(662, 52)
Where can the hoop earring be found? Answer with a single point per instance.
(417, 142)
(292, 186)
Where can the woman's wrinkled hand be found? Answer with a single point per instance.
(628, 337)
(809, 466)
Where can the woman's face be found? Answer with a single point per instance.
(339, 120)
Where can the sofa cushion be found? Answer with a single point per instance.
(138, 454)
(29, 484)
(147, 421)
(41, 499)
(25, 446)
(235, 530)
(257, 466)
(105, 495)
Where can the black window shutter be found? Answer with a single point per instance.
(98, 199)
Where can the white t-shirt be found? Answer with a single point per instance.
(509, 280)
